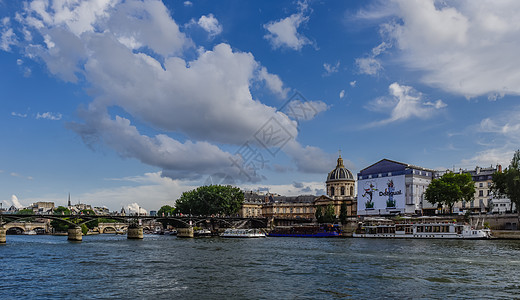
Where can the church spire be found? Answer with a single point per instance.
(69, 201)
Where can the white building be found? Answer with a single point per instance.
(390, 187)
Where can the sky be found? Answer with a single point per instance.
(130, 103)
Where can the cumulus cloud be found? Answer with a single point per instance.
(353, 83)
(284, 32)
(15, 202)
(188, 3)
(210, 24)
(463, 47)
(273, 83)
(134, 208)
(342, 94)
(130, 54)
(49, 116)
(405, 102)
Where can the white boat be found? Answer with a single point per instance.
(202, 233)
(30, 232)
(242, 233)
(429, 230)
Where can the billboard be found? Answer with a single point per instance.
(383, 193)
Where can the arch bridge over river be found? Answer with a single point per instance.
(134, 224)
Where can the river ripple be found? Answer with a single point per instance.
(164, 267)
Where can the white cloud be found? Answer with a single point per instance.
(130, 54)
(437, 104)
(330, 69)
(188, 3)
(210, 24)
(15, 114)
(353, 83)
(342, 94)
(467, 47)
(284, 32)
(49, 116)
(304, 110)
(7, 36)
(294, 189)
(273, 83)
(369, 65)
(15, 202)
(405, 103)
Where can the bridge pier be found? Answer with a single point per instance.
(135, 233)
(2, 234)
(185, 232)
(75, 234)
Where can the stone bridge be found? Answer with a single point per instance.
(112, 227)
(25, 227)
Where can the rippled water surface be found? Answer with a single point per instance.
(164, 267)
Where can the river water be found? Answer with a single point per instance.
(165, 267)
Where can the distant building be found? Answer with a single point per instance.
(484, 200)
(341, 189)
(42, 208)
(390, 187)
(294, 207)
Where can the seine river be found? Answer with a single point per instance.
(164, 267)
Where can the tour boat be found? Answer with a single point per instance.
(202, 233)
(306, 231)
(242, 233)
(430, 230)
(30, 232)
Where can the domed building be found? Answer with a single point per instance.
(340, 182)
(340, 189)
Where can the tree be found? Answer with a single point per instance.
(61, 210)
(318, 214)
(450, 189)
(343, 213)
(329, 216)
(165, 211)
(211, 199)
(507, 183)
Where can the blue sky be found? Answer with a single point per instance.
(133, 102)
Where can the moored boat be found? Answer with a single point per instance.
(242, 233)
(307, 231)
(429, 230)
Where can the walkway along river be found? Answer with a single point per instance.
(163, 267)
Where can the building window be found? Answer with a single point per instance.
(480, 193)
(481, 184)
(342, 191)
(351, 191)
(332, 191)
(305, 210)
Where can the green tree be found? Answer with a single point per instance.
(507, 183)
(329, 216)
(25, 211)
(343, 213)
(165, 211)
(211, 199)
(450, 189)
(319, 214)
(61, 210)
